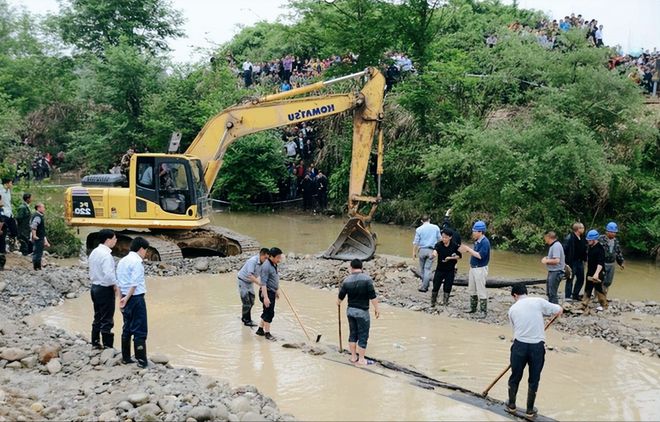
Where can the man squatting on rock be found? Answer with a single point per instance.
(528, 348)
(104, 289)
(268, 292)
(248, 276)
(131, 283)
(359, 288)
(426, 236)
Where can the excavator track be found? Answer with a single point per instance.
(173, 245)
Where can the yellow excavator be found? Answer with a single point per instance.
(165, 197)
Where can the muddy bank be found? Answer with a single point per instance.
(630, 325)
(47, 373)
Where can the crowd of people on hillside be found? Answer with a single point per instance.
(290, 71)
(640, 67)
(301, 144)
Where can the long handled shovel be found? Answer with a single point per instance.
(492, 384)
(341, 348)
(318, 337)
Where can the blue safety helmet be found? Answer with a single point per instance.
(592, 235)
(479, 226)
(612, 227)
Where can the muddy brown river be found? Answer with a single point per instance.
(195, 320)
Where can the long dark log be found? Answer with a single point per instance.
(492, 282)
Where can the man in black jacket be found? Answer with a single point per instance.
(575, 250)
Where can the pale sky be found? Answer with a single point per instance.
(633, 24)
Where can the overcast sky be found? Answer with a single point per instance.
(633, 24)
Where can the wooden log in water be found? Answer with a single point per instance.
(492, 282)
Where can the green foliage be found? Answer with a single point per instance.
(252, 166)
(94, 25)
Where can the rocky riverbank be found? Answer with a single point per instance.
(47, 373)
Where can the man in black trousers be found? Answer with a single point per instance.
(528, 349)
(104, 289)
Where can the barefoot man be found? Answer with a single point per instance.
(359, 288)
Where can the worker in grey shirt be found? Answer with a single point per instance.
(268, 292)
(528, 349)
(104, 290)
(555, 263)
(248, 276)
(426, 236)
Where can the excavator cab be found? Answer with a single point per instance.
(173, 184)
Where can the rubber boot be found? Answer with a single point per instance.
(511, 404)
(445, 299)
(531, 411)
(434, 298)
(602, 299)
(141, 353)
(96, 339)
(483, 308)
(126, 351)
(108, 340)
(473, 304)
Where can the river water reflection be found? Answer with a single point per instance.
(195, 321)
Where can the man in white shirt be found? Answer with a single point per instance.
(247, 73)
(103, 290)
(528, 349)
(131, 284)
(426, 236)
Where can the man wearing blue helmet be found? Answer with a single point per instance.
(595, 266)
(478, 268)
(612, 253)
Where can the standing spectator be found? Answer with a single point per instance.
(612, 253)
(247, 73)
(8, 210)
(555, 262)
(291, 150)
(426, 236)
(3, 238)
(575, 251)
(104, 290)
(131, 283)
(269, 291)
(479, 260)
(308, 150)
(39, 239)
(598, 36)
(23, 219)
(322, 184)
(287, 65)
(248, 275)
(528, 348)
(448, 255)
(308, 188)
(359, 288)
(595, 266)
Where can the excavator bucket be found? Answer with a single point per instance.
(354, 241)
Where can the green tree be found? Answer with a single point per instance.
(92, 25)
(253, 166)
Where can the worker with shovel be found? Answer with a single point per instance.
(359, 288)
(528, 349)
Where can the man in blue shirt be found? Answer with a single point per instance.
(130, 281)
(426, 236)
(480, 257)
(248, 276)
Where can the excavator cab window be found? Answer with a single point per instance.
(173, 188)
